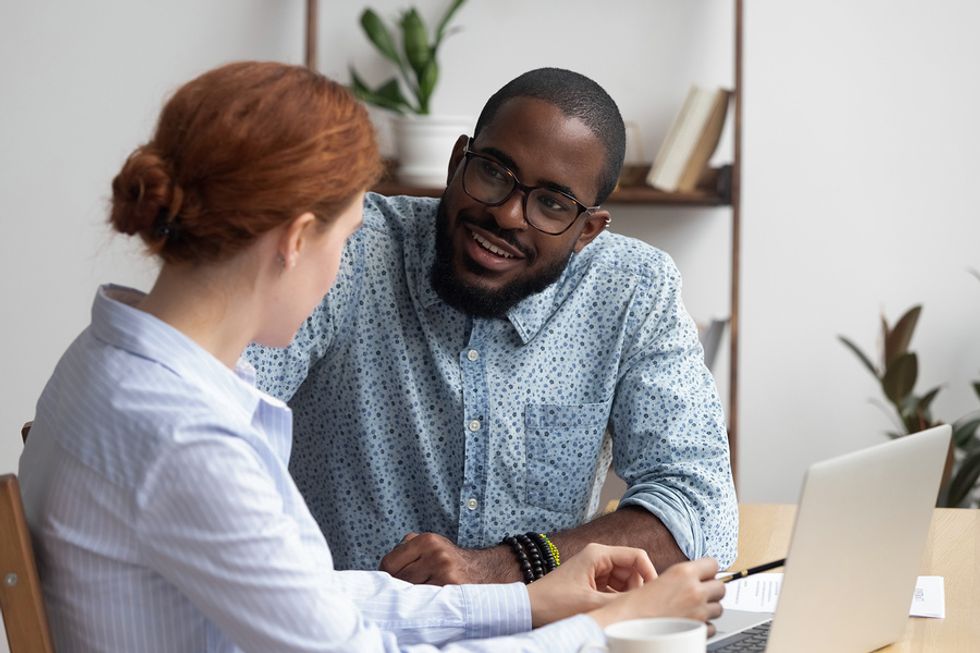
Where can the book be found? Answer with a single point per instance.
(710, 337)
(690, 141)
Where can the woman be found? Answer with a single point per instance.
(155, 477)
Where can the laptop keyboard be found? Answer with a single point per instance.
(748, 641)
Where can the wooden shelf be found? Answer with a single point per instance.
(715, 194)
(630, 195)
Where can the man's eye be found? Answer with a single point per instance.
(491, 170)
(553, 203)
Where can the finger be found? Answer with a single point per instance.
(714, 590)
(401, 556)
(632, 561)
(706, 568)
(409, 537)
(623, 580)
(711, 629)
(418, 572)
(715, 610)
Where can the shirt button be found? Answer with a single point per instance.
(472, 504)
(473, 355)
(474, 425)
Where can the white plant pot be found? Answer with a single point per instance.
(424, 145)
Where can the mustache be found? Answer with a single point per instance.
(490, 225)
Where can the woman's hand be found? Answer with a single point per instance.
(590, 579)
(687, 589)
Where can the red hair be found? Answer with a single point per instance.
(239, 151)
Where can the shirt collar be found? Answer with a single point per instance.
(531, 313)
(527, 316)
(118, 323)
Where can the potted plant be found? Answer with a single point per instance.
(423, 140)
(896, 371)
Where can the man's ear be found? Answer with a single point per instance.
(595, 223)
(456, 157)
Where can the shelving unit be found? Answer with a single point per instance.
(729, 197)
(622, 195)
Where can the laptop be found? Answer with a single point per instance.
(854, 555)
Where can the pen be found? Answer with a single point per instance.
(754, 570)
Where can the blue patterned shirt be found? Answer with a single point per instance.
(412, 416)
(164, 519)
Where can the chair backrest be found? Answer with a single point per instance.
(20, 588)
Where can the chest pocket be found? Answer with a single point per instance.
(563, 444)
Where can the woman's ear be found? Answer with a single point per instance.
(294, 238)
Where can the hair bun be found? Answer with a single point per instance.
(142, 189)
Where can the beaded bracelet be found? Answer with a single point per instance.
(533, 554)
(522, 558)
(552, 558)
(536, 554)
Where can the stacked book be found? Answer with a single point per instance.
(691, 140)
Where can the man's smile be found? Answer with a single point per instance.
(489, 251)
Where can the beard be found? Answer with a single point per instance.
(477, 300)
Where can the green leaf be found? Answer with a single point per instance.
(441, 29)
(897, 342)
(860, 354)
(415, 42)
(900, 378)
(927, 398)
(378, 33)
(884, 338)
(427, 84)
(964, 479)
(893, 435)
(386, 96)
(963, 431)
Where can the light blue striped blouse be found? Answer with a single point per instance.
(156, 486)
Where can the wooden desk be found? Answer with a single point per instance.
(953, 551)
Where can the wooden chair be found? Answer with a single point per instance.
(20, 589)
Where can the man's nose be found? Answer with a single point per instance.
(510, 214)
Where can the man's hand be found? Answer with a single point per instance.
(428, 558)
(588, 580)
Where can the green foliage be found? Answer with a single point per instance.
(416, 61)
(896, 372)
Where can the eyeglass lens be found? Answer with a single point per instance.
(492, 184)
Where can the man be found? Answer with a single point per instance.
(495, 352)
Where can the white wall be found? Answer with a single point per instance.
(81, 85)
(859, 157)
(861, 164)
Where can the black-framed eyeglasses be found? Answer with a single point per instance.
(548, 210)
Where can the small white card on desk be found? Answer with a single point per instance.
(760, 593)
(929, 599)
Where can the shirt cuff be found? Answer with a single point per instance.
(576, 634)
(675, 514)
(496, 610)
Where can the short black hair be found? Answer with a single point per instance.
(576, 96)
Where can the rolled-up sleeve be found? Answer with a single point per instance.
(670, 443)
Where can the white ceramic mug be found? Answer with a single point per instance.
(659, 635)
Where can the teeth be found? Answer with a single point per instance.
(489, 246)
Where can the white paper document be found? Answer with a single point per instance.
(760, 593)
